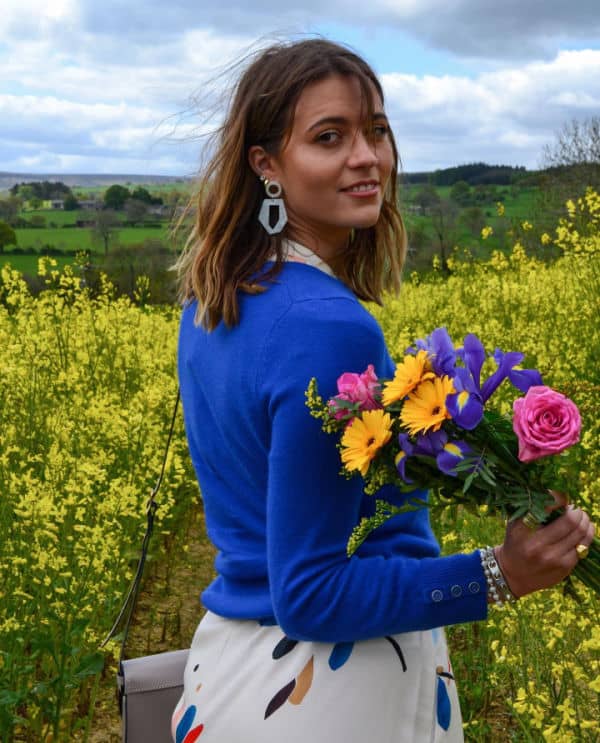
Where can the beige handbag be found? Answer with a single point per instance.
(148, 688)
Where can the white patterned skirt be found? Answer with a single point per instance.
(247, 683)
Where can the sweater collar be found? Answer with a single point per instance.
(297, 253)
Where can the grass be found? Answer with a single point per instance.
(28, 264)
(81, 238)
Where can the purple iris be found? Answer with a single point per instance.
(452, 454)
(447, 454)
(407, 449)
(522, 379)
(440, 350)
(466, 405)
(473, 355)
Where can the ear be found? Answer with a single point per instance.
(262, 163)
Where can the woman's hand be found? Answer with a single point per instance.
(532, 560)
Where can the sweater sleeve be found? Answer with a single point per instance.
(318, 593)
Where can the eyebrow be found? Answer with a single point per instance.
(342, 120)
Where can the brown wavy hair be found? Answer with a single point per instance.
(227, 247)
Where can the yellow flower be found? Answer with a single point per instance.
(363, 439)
(411, 372)
(425, 410)
(486, 232)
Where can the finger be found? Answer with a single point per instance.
(557, 547)
(561, 500)
(572, 521)
(578, 534)
(591, 532)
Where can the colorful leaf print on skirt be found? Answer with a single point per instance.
(244, 681)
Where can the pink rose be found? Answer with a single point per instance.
(545, 422)
(360, 389)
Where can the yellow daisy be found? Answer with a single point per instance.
(363, 439)
(411, 372)
(425, 409)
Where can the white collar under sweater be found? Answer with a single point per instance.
(298, 253)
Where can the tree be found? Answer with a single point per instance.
(577, 143)
(135, 210)
(461, 193)
(142, 194)
(427, 197)
(105, 228)
(7, 236)
(115, 197)
(43, 190)
(573, 159)
(70, 203)
(572, 164)
(25, 191)
(419, 252)
(126, 263)
(444, 222)
(473, 219)
(10, 208)
(173, 197)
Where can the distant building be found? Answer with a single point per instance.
(94, 204)
(160, 210)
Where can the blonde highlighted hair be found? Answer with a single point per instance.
(227, 247)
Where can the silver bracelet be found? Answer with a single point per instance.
(498, 589)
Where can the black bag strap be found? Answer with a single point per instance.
(130, 599)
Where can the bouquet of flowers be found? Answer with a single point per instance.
(429, 428)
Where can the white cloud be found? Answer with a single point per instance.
(484, 29)
(98, 84)
(508, 114)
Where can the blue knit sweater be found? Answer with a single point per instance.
(276, 507)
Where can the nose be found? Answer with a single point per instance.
(363, 152)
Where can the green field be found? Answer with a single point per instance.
(520, 205)
(81, 238)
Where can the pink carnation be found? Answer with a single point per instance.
(360, 389)
(545, 422)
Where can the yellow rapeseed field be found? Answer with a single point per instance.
(86, 391)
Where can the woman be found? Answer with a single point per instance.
(297, 218)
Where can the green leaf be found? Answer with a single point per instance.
(89, 665)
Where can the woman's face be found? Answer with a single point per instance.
(333, 172)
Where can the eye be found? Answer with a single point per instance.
(381, 130)
(329, 137)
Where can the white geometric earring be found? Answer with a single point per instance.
(272, 215)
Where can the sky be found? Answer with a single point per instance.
(130, 86)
